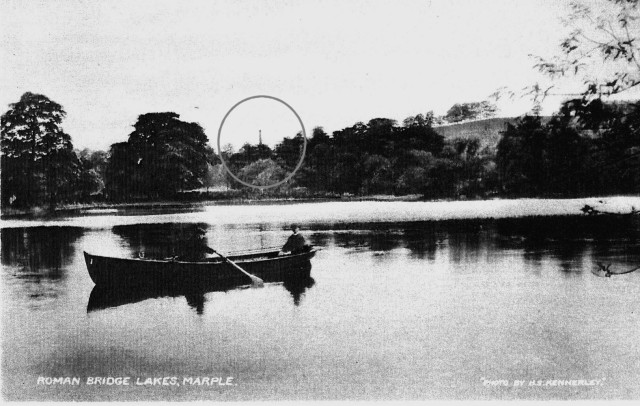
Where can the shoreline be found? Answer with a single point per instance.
(341, 212)
(42, 213)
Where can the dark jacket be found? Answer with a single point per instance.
(195, 249)
(295, 244)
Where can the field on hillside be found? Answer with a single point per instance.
(488, 130)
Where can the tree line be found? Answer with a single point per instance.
(584, 149)
(163, 157)
(40, 166)
(379, 157)
(588, 147)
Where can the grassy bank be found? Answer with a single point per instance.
(69, 209)
(337, 212)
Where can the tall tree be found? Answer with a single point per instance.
(607, 144)
(122, 176)
(91, 177)
(162, 156)
(378, 176)
(418, 134)
(318, 162)
(38, 160)
(520, 156)
(288, 152)
(250, 153)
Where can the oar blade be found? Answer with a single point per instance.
(256, 282)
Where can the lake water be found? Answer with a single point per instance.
(394, 310)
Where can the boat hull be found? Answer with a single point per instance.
(267, 265)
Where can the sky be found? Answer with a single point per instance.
(334, 62)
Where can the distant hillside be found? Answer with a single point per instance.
(488, 130)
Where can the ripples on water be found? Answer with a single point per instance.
(414, 310)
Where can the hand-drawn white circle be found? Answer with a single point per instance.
(304, 145)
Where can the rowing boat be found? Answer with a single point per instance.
(267, 265)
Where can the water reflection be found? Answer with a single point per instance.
(466, 239)
(566, 239)
(103, 297)
(423, 242)
(373, 241)
(319, 239)
(298, 287)
(572, 241)
(157, 241)
(35, 262)
(39, 251)
(45, 252)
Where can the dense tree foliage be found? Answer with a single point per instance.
(90, 183)
(38, 162)
(591, 148)
(162, 156)
(379, 157)
(586, 148)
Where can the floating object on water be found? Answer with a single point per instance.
(592, 211)
(605, 271)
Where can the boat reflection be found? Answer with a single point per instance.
(297, 287)
(105, 297)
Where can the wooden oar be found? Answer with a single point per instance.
(255, 281)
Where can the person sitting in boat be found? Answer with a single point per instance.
(196, 248)
(296, 242)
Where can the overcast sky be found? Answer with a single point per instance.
(334, 62)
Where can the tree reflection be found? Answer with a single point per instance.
(571, 239)
(37, 259)
(39, 251)
(422, 241)
(157, 241)
(465, 240)
(319, 239)
(375, 240)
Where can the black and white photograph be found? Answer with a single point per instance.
(320, 200)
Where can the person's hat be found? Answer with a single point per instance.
(294, 226)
